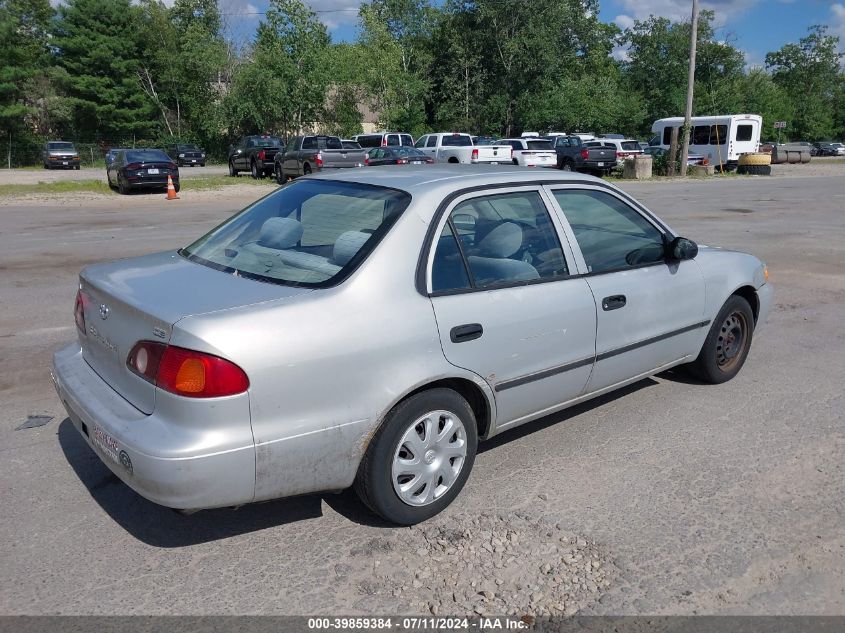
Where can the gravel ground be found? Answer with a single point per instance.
(670, 497)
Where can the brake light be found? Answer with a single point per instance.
(133, 166)
(319, 160)
(79, 311)
(261, 154)
(475, 154)
(186, 372)
(366, 160)
(620, 154)
(401, 161)
(384, 141)
(585, 154)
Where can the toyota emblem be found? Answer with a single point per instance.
(104, 311)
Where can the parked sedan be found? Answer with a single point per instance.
(397, 156)
(368, 327)
(141, 169)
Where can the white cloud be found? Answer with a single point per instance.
(335, 13)
(837, 23)
(680, 10)
(624, 21)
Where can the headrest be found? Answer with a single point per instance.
(347, 245)
(503, 241)
(280, 233)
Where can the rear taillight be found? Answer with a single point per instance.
(619, 154)
(585, 154)
(133, 166)
(384, 141)
(186, 372)
(319, 160)
(79, 311)
(261, 154)
(475, 154)
(366, 161)
(401, 161)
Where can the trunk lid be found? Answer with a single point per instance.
(602, 154)
(141, 298)
(493, 152)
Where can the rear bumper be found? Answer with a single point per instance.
(207, 460)
(157, 183)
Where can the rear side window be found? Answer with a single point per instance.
(744, 132)
(503, 238)
(718, 134)
(393, 139)
(701, 135)
(449, 272)
(667, 135)
(630, 146)
(611, 235)
(407, 139)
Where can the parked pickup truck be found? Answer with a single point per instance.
(309, 154)
(453, 147)
(254, 154)
(572, 155)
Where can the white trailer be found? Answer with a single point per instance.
(720, 139)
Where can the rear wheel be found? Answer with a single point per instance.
(232, 171)
(306, 169)
(420, 458)
(280, 178)
(256, 173)
(122, 187)
(566, 165)
(727, 344)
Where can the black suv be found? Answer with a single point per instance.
(186, 154)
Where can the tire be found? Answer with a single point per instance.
(374, 482)
(515, 162)
(176, 187)
(757, 158)
(306, 169)
(76, 167)
(280, 178)
(232, 171)
(721, 357)
(754, 170)
(122, 188)
(256, 174)
(566, 165)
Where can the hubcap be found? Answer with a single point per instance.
(429, 458)
(731, 341)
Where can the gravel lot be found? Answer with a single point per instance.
(668, 498)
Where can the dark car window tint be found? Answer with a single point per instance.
(718, 134)
(539, 145)
(701, 135)
(432, 141)
(744, 132)
(421, 141)
(507, 238)
(456, 140)
(146, 155)
(369, 140)
(630, 145)
(329, 142)
(448, 271)
(611, 234)
(59, 145)
(309, 142)
(407, 139)
(667, 135)
(393, 139)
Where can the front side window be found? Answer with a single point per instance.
(309, 142)
(432, 141)
(718, 134)
(504, 238)
(701, 135)
(612, 235)
(421, 141)
(744, 132)
(309, 233)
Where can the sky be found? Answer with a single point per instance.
(754, 26)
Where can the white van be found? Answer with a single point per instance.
(720, 139)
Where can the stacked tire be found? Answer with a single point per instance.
(755, 164)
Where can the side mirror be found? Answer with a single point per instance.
(681, 248)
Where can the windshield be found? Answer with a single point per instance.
(309, 233)
(146, 155)
(539, 145)
(60, 145)
(457, 140)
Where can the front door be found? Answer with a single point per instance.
(650, 311)
(506, 306)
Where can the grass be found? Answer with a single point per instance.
(100, 187)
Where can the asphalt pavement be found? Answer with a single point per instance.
(689, 498)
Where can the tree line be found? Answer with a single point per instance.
(117, 71)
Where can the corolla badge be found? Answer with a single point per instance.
(104, 311)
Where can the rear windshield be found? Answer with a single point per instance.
(369, 140)
(630, 145)
(189, 148)
(539, 145)
(309, 233)
(269, 141)
(146, 155)
(60, 145)
(457, 140)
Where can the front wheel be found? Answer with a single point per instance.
(256, 173)
(727, 344)
(420, 458)
(232, 171)
(566, 165)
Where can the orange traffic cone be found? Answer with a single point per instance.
(171, 190)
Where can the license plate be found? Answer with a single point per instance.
(64, 162)
(152, 171)
(495, 162)
(193, 160)
(416, 162)
(600, 164)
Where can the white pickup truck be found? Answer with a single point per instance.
(454, 147)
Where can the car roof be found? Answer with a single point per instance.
(424, 180)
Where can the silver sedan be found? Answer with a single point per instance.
(369, 328)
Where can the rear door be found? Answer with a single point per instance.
(650, 311)
(507, 308)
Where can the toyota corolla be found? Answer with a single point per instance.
(369, 328)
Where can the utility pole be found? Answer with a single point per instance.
(690, 88)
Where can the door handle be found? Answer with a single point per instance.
(464, 333)
(613, 302)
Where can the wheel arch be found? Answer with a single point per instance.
(750, 295)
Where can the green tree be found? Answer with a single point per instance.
(811, 74)
(24, 31)
(97, 49)
(759, 94)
